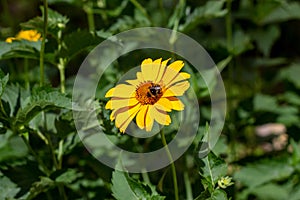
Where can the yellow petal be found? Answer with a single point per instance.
(143, 118)
(177, 65)
(177, 89)
(134, 82)
(140, 117)
(150, 69)
(116, 103)
(172, 71)
(125, 115)
(161, 70)
(149, 120)
(180, 77)
(176, 103)
(121, 90)
(160, 116)
(165, 104)
(140, 77)
(156, 68)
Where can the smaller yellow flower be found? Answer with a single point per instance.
(10, 39)
(30, 35)
(224, 182)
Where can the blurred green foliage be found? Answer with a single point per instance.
(255, 46)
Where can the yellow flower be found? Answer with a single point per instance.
(224, 182)
(30, 35)
(150, 96)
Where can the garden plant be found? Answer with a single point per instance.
(160, 99)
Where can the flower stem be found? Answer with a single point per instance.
(163, 139)
(42, 68)
(90, 16)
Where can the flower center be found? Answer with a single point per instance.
(148, 93)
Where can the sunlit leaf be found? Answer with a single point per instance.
(41, 100)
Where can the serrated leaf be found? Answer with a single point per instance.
(214, 168)
(124, 187)
(120, 187)
(257, 174)
(42, 100)
(56, 22)
(8, 189)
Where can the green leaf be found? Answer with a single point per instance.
(266, 38)
(8, 189)
(124, 187)
(270, 191)
(20, 49)
(291, 97)
(212, 9)
(214, 168)
(295, 194)
(218, 195)
(284, 12)
(262, 102)
(256, 174)
(3, 81)
(11, 147)
(41, 100)
(56, 22)
(41, 186)
(241, 42)
(69, 176)
(291, 73)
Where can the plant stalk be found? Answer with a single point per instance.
(163, 139)
(42, 52)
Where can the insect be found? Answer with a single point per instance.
(154, 91)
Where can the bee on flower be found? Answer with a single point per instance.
(150, 96)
